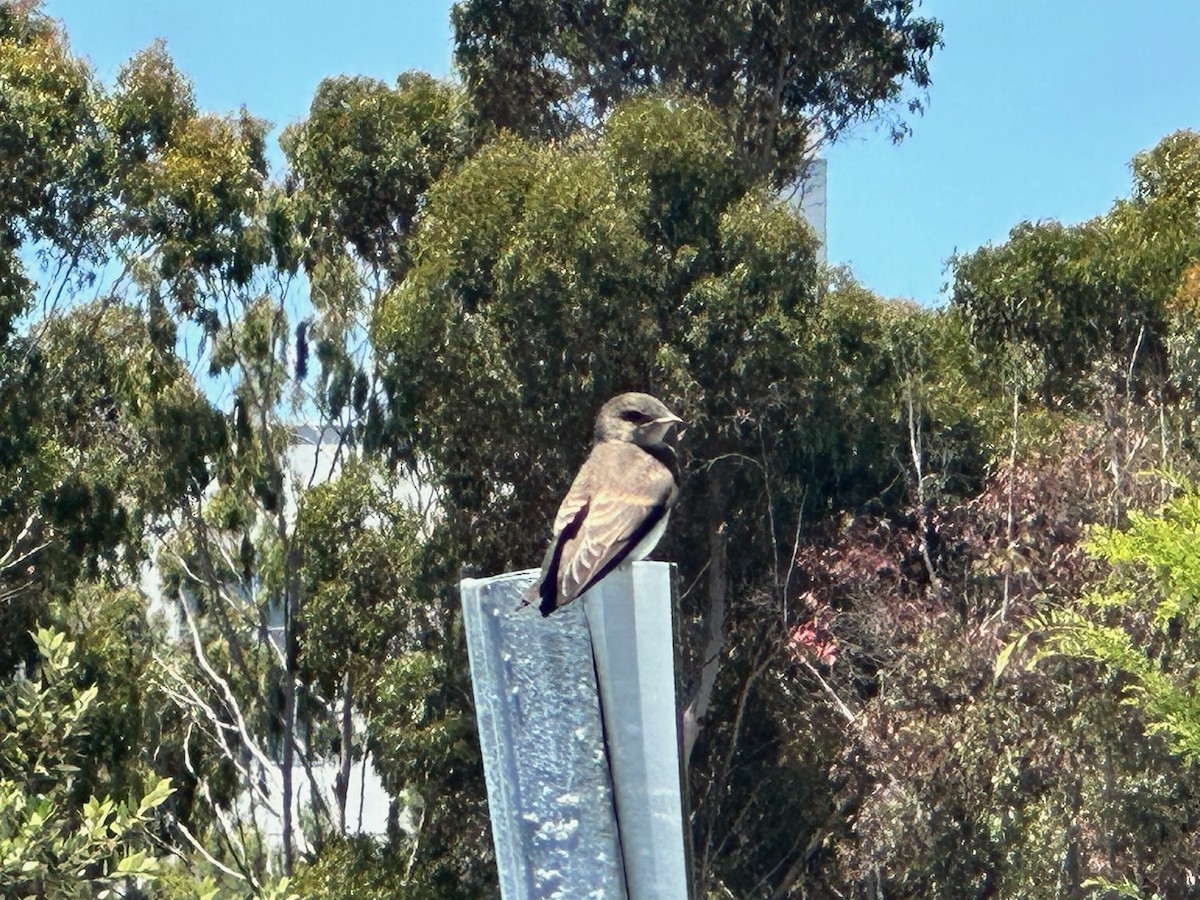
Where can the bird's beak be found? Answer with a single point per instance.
(672, 428)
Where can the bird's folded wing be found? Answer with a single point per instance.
(577, 498)
(626, 493)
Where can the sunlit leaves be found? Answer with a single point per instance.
(46, 847)
(150, 101)
(51, 148)
(363, 160)
(1078, 296)
(1144, 624)
(1166, 546)
(1171, 169)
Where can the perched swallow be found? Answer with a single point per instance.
(618, 504)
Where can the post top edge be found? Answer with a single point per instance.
(515, 575)
(527, 574)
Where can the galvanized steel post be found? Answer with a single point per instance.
(562, 825)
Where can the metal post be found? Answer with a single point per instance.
(629, 614)
(556, 828)
(549, 795)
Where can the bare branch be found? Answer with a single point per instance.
(10, 560)
(227, 692)
(846, 712)
(212, 860)
(914, 445)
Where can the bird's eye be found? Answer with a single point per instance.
(635, 416)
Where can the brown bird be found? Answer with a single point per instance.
(618, 504)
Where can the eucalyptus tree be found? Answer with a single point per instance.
(786, 75)
(548, 277)
(1092, 304)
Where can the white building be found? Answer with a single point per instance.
(809, 197)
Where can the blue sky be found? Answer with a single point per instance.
(1036, 106)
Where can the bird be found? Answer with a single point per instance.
(618, 505)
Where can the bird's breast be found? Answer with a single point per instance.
(647, 544)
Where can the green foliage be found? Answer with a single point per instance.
(126, 404)
(1145, 624)
(359, 544)
(52, 842)
(362, 868)
(785, 75)
(49, 139)
(115, 434)
(1170, 170)
(550, 278)
(1022, 291)
(106, 439)
(202, 187)
(364, 158)
(872, 365)
(421, 738)
(1077, 296)
(53, 164)
(451, 279)
(151, 100)
(424, 747)
(359, 867)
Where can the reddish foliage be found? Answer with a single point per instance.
(934, 732)
(862, 586)
(815, 638)
(1023, 534)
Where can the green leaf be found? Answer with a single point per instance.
(134, 862)
(160, 792)
(1006, 654)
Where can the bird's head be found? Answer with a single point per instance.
(639, 419)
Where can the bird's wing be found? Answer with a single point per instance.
(625, 493)
(570, 516)
(576, 501)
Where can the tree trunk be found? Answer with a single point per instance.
(289, 749)
(714, 646)
(291, 603)
(1072, 862)
(341, 786)
(916, 448)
